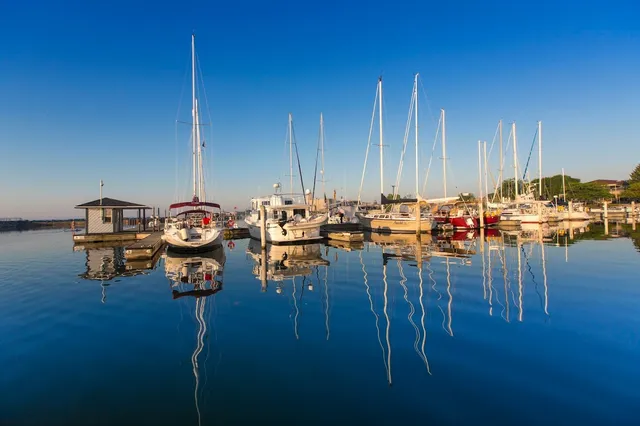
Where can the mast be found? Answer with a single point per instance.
(324, 194)
(540, 158)
(193, 111)
(199, 152)
(415, 95)
(515, 157)
(501, 160)
(564, 190)
(291, 154)
(381, 140)
(480, 170)
(444, 153)
(486, 180)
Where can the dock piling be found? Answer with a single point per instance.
(418, 221)
(263, 228)
(480, 215)
(570, 206)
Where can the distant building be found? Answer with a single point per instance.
(106, 215)
(615, 187)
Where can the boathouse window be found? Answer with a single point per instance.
(275, 214)
(284, 215)
(301, 212)
(266, 203)
(106, 215)
(288, 202)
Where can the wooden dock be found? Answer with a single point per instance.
(145, 248)
(110, 237)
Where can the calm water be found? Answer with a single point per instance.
(505, 332)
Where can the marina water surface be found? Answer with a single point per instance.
(517, 328)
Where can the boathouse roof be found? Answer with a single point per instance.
(111, 203)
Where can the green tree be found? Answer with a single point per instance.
(390, 196)
(632, 192)
(552, 185)
(590, 192)
(634, 177)
(467, 196)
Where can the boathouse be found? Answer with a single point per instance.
(106, 216)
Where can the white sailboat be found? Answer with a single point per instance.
(525, 208)
(402, 216)
(289, 217)
(191, 225)
(573, 211)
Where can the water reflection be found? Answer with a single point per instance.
(106, 261)
(198, 276)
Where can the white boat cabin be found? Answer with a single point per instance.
(281, 207)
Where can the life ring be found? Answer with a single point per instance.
(231, 245)
(230, 223)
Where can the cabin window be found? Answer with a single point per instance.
(106, 215)
(284, 215)
(301, 212)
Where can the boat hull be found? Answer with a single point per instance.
(574, 216)
(289, 233)
(198, 240)
(524, 218)
(394, 225)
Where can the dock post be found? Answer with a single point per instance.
(480, 215)
(633, 209)
(263, 228)
(570, 209)
(481, 240)
(539, 212)
(419, 254)
(606, 212)
(263, 270)
(606, 227)
(418, 221)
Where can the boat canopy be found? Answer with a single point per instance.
(186, 212)
(194, 204)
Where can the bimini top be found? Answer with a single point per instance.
(111, 203)
(194, 204)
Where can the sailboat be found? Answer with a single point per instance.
(289, 217)
(191, 225)
(526, 209)
(404, 213)
(572, 211)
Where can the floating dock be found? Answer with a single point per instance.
(110, 237)
(145, 248)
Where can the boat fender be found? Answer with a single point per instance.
(230, 223)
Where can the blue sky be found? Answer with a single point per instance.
(92, 92)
